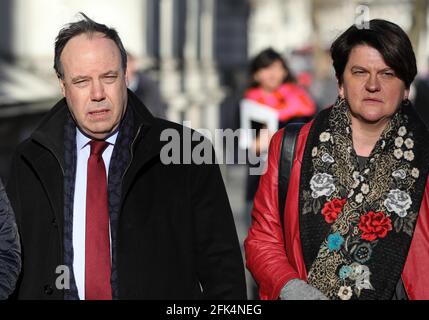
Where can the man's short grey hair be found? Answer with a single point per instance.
(89, 27)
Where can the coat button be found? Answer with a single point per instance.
(48, 290)
(54, 223)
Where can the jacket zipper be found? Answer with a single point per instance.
(55, 156)
(132, 153)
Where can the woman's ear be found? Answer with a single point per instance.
(341, 91)
(406, 94)
(256, 77)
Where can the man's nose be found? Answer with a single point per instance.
(97, 91)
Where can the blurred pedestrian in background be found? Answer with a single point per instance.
(145, 88)
(273, 85)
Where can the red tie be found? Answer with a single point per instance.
(97, 240)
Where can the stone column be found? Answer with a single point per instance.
(193, 80)
(147, 58)
(192, 67)
(169, 75)
(210, 110)
(207, 42)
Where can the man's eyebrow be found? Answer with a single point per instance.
(110, 73)
(78, 78)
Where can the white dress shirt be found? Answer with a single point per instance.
(83, 149)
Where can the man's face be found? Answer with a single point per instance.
(94, 84)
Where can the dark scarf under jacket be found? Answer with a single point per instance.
(118, 164)
(356, 223)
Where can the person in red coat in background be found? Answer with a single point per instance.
(273, 86)
(356, 218)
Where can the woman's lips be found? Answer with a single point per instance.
(373, 100)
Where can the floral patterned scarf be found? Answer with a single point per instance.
(357, 225)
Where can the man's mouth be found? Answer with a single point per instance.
(98, 112)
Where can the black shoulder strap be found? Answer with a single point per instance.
(287, 154)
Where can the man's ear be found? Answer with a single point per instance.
(62, 86)
(127, 79)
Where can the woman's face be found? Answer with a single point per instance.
(271, 77)
(372, 89)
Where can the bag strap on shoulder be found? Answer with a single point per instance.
(287, 155)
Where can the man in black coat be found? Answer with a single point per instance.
(100, 213)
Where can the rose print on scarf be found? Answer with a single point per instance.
(398, 201)
(322, 184)
(374, 225)
(332, 209)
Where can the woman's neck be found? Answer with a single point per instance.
(366, 135)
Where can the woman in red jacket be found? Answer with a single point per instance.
(356, 213)
(273, 86)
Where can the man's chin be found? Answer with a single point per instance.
(98, 134)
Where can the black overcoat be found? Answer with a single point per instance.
(176, 237)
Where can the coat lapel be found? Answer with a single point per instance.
(49, 172)
(145, 148)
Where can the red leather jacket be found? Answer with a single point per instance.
(274, 256)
